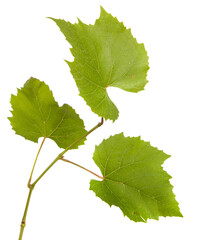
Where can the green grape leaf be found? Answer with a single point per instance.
(134, 179)
(36, 114)
(105, 55)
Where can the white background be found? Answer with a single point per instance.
(166, 114)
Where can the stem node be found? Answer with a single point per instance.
(23, 224)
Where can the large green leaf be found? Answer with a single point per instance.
(36, 114)
(134, 179)
(105, 55)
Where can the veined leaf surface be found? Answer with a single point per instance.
(134, 179)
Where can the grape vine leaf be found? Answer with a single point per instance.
(36, 114)
(105, 55)
(134, 179)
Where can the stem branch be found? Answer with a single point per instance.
(46, 170)
(84, 136)
(60, 156)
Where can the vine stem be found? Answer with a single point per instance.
(65, 160)
(23, 222)
(60, 156)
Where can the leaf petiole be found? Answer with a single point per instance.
(65, 160)
(29, 181)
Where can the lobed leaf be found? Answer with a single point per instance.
(105, 55)
(134, 179)
(36, 114)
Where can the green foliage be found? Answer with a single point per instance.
(36, 114)
(105, 55)
(134, 179)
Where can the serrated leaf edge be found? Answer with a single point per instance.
(36, 141)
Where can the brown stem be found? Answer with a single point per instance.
(65, 160)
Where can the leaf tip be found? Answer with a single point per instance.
(181, 215)
(51, 18)
(68, 62)
(79, 21)
(102, 10)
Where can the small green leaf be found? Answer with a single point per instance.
(105, 55)
(134, 179)
(36, 114)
